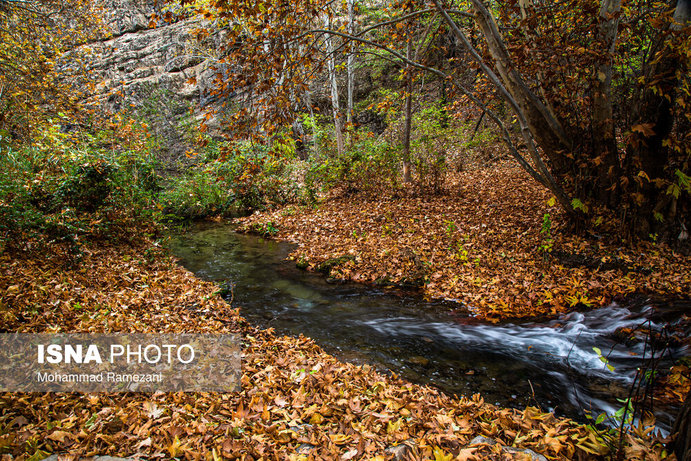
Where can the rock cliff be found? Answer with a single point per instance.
(156, 73)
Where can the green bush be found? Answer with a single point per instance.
(368, 165)
(67, 186)
(199, 193)
(227, 182)
(429, 147)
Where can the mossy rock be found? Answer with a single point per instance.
(302, 263)
(329, 264)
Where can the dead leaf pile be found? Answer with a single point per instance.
(479, 244)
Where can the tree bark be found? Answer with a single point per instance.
(546, 130)
(350, 66)
(604, 141)
(408, 113)
(335, 103)
(529, 131)
(655, 119)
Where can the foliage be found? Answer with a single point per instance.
(35, 75)
(368, 164)
(584, 86)
(546, 231)
(170, 120)
(229, 180)
(68, 186)
(429, 144)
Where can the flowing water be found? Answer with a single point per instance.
(551, 365)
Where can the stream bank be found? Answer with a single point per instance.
(551, 364)
(484, 242)
(294, 396)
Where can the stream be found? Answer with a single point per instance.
(551, 365)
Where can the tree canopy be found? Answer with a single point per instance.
(591, 98)
(34, 36)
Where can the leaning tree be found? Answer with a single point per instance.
(597, 93)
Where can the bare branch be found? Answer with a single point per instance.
(505, 133)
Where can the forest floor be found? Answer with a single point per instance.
(493, 241)
(296, 402)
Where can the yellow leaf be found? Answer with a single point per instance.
(441, 455)
(175, 448)
(339, 439)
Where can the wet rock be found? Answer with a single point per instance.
(483, 440)
(299, 427)
(304, 448)
(524, 451)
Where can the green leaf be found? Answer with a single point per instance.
(620, 413)
(674, 190)
(597, 351)
(578, 205)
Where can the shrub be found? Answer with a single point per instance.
(69, 185)
(229, 181)
(368, 165)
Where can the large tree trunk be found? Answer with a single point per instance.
(604, 141)
(682, 429)
(536, 123)
(547, 131)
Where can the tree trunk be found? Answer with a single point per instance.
(408, 114)
(335, 103)
(534, 127)
(682, 429)
(351, 63)
(604, 141)
(546, 130)
(654, 123)
(315, 143)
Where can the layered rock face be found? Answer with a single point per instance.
(154, 73)
(163, 76)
